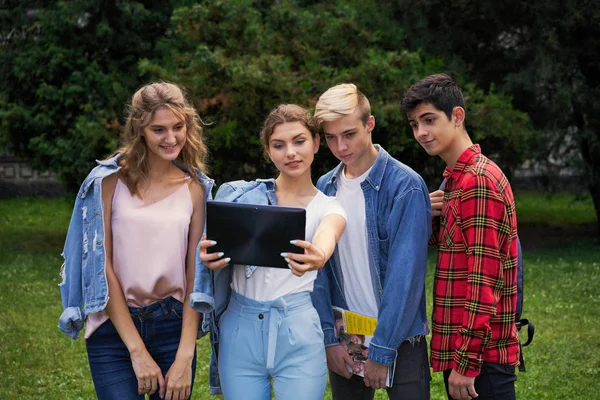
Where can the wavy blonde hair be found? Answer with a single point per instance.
(341, 100)
(134, 153)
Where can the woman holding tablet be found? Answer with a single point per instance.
(262, 321)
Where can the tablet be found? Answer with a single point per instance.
(253, 234)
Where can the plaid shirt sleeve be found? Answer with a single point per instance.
(486, 230)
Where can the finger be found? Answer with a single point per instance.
(169, 395)
(218, 264)
(153, 386)
(205, 244)
(206, 257)
(471, 391)
(301, 243)
(343, 371)
(188, 393)
(464, 393)
(453, 392)
(301, 266)
(141, 388)
(162, 385)
(436, 213)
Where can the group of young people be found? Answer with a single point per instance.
(138, 276)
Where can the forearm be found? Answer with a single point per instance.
(328, 233)
(189, 332)
(118, 312)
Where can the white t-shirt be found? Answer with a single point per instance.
(353, 248)
(266, 284)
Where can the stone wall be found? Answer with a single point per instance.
(17, 179)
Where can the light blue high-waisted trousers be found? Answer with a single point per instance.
(280, 340)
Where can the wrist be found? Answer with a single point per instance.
(186, 355)
(136, 349)
(323, 257)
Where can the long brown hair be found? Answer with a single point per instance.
(133, 152)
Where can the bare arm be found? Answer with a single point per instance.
(179, 377)
(323, 244)
(146, 370)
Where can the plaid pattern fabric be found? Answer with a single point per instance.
(475, 288)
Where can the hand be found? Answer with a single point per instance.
(312, 259)
(461, 387)
(437, 201)
(375, 374)
(338, 358)
(213, 261)
(147, 372)
(179, 380)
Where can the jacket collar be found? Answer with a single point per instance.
(375, 177)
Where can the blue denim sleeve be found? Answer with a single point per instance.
(403, 297)
(321, 298)
(72, 318)
(202, 299)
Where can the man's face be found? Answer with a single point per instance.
(348, 138)
(433, 130)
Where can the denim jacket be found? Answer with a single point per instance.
(212, 289)
(84, 289)
(398, 220)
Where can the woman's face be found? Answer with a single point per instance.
(292, 148)
(165, 135)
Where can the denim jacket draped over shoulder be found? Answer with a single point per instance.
(398, 221)
(84, 288)
(212, 289)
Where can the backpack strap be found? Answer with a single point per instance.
(530, 333)
(530, 330)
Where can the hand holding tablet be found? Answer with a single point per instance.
(251, 234)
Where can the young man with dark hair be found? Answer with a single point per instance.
(379, 266)
(474, 335)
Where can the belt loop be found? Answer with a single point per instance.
(164, 307)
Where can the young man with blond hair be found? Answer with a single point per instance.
(474, 339)
(378, 268)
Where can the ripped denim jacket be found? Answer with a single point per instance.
(84, 289)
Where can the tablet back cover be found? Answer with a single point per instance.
(253, 234)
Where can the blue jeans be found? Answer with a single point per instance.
(495, 382)
(279, 340)
(159, 325)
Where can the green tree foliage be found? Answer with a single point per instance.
(240, 59)
(68, 68)
(545, 53)
(73, 65)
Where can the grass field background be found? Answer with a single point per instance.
(562, 298)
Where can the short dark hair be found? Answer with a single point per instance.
(439, 90)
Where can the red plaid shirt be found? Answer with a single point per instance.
(475, 288)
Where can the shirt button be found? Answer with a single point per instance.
(260, 316)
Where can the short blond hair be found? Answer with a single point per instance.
(341, 100)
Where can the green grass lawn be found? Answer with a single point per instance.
(562, 298)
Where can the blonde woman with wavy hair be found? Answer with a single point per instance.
(137, 222)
